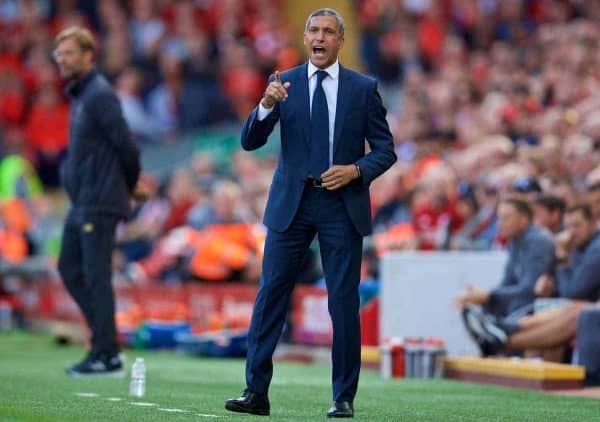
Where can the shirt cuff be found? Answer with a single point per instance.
(263, 112)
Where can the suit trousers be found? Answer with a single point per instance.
(321, 212)
(85, 267)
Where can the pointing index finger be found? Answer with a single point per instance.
(277, 76)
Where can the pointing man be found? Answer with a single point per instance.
(320, 187)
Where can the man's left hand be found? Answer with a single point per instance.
(473, 296)
(339, 176)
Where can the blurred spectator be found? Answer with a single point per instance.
(141, 124)
(224, 207)
(137, 237)
(526, 188)
(593, 197)
(12, 100)
(434, 215)
(47, 133)
(577, 277)
(147, 30)
(548, 212)
(18, 178)
(473, 233)
(163, 101)
(181, 193)
(577, 273)
(242, 82)
(531, 254)
(15, 223)
(390, 195)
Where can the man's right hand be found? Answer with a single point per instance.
(473, 296)
(275, 92)
(563, 242)
(544, 286)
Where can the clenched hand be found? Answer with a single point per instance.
(275, 92)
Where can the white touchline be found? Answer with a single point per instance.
(114, 398)
(142, 403)
(87, 394)
(173, 410)
(206, 415)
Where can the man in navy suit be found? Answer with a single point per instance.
(320, 187)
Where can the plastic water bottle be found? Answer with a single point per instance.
(137, 387)
(413, 357)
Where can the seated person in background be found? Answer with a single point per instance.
(548, 212)
(577, 272)
(531, 253)
(225, 207)
(593, 198)
(576, 277)
(526, 188)
(473, 235)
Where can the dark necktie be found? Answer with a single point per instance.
(319, 129)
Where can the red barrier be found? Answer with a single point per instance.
(217, 307)
(206, 307)
(369, 323)
(312, 324)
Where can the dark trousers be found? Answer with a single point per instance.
(85, 267)
(321, 212)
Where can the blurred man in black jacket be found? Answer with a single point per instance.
(99, 175)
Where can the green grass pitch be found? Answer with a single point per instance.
(34, 387)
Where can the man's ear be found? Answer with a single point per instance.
(89, 55)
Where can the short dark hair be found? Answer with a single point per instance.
(551, 202)
(327, 12)
(583, 208)
(594, 187)
(520, 205)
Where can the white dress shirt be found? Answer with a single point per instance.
(330, 86)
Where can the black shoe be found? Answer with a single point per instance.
(249, 402)
(98, 365)
(485, 330)
(341, 409)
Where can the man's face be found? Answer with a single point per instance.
(323, 41)
(593, 198)
(510, 222)
(579, 227)
(72, 61)
(548, 219)
(542, 216)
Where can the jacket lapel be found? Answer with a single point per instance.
(344, 91)
(304, 108)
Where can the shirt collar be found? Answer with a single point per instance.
(592, 238)
(333, 71)
(74, 88)
(519, 238)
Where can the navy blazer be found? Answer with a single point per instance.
(360, 115)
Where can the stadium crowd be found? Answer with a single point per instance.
(485, 100)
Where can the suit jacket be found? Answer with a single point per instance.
(530, 255)
(360, 115)
(102, 165)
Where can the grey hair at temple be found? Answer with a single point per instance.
(327, 12)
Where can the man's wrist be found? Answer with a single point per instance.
(265, 103)
(485, 296)
(358, 173)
